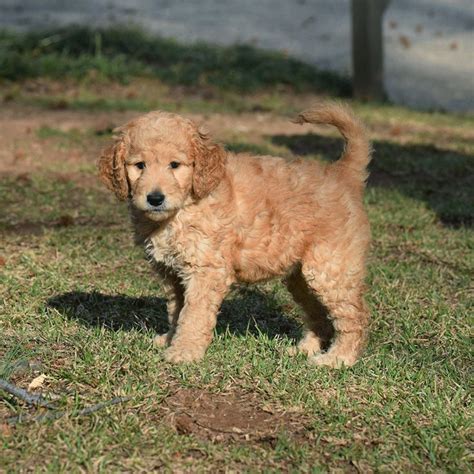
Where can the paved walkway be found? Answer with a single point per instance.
(429, 44)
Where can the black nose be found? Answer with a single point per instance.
(155, 199)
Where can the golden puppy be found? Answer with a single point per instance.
(208, 218)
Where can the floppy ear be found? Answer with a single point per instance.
(209, 166)
(112, 169)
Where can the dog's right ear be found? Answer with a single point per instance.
(112, 169)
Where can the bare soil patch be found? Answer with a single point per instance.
(232, 416)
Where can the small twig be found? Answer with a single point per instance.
(54, 415)
(22, 394)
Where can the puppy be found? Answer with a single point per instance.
(208, 218)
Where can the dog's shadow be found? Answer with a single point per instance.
(246, 310)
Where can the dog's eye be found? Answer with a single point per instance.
(174, 164)
(140, 165)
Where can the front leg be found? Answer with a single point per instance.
(174, 293)
(203, 296)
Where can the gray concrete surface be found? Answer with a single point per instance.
(429, 44)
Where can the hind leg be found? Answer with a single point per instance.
(339, 285)
(319, 330)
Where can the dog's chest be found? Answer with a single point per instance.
(163, 247)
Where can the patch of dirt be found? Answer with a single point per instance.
(23, 151)
(232, 417)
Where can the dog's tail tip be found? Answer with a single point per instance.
(357, 152)
(333, 113)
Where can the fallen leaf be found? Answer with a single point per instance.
(404, 41)
(37, 382)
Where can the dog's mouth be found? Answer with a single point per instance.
(159, 213)
(157, 210)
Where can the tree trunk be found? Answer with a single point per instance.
(367, 48)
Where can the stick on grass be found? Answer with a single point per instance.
(54, 415)
(22, 394)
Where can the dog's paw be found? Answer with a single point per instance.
(332, 360)
(310, 345)
(302, 349)
(292, 351)
(177, 354)
(161, 340)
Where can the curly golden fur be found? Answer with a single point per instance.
(208, 218)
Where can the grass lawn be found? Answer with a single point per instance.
(80, 304)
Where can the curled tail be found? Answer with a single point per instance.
(356, 154)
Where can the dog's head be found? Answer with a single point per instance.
(161, 162)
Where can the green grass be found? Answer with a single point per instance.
(80, 304)
(122, 52)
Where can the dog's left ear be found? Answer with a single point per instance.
(209, 166)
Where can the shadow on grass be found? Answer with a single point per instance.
(444, 179)
(245, 311)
